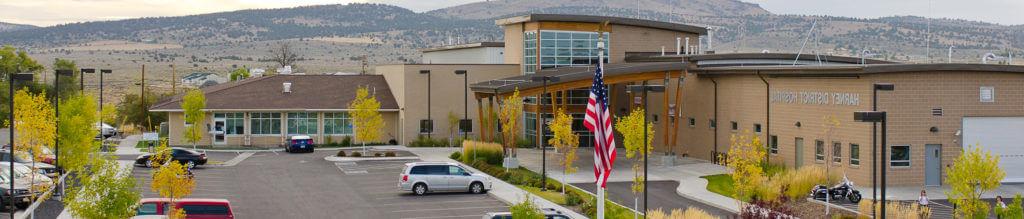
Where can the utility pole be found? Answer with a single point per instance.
(174, 82)
(142, 95)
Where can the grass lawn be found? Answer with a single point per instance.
(553, 196)
(721, 184)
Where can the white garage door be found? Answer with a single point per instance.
(1002, 136)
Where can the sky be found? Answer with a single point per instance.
(53, 12)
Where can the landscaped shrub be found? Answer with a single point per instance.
(378, 154)
(389, 154)
(572, 198)
(524, 143)
(475, 150)
(357, 154)
(456, 156)
(526, 210)
(896, 210)
(347, 141)
(426, 141)
(690, 213)
(341, 153)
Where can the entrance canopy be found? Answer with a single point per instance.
(577, 77)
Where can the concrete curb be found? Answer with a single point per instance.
(342, 159)
(703, 184)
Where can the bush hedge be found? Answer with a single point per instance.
(341, 153)
(426, 141)
(456, 156)
(357, 154)
(389, 154)
(488, 152)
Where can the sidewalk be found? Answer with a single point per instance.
(127, 146)
(686, 171)
(500, 189)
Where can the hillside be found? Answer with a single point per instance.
(498, 8)
(4, 27)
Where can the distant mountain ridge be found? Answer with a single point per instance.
(4, 27)
(497, 8)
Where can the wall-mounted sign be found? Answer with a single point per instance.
(816, 98)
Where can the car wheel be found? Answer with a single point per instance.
(476, 188)
(190, 164)
(149, 163)
(419, 189)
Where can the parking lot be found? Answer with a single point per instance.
(281, 185)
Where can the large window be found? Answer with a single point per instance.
(854, 154)
(837, 152)
(301, 123)
(530, 126)
(900, 156)
(265, 123)
(819, 150)
(773, 144)
(337, 124)
(560, 48)
(234, 123)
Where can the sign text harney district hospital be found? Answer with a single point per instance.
(816, 98)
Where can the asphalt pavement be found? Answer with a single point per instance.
(282, 185)
(661, 194)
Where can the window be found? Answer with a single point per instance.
(774, 144)
(455, 171)
(234, 123)
(147, 209)
(560, 48)
(757, 128)
(712, 124)
(337, 124)
(265, 123)
(692, 122)
(837, 152)
(735, 126)
(899, 156)
(437, 170)
(530, 126)
(205, 209)
(854, 154)
(819, 150)
(418, 170)
(301, 123)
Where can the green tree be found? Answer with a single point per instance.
(633, 136)
(77, 131)
(526, 209)
(109, 114)
(453, 127)
(105, 190)
(973, 173)
(68, 84)
(12, 62)
(511, 124)
(366, 116)
(239, 74)
(134, 110)
(193, 104)
(566, 141)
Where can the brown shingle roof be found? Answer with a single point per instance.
(308, 92)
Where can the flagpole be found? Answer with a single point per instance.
(600, 66)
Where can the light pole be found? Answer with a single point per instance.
(645, 88)
(876, 117)
(543, 149)
(874, 137)
(56, 143)
(427, 126)
(10, 88)
(465, 104)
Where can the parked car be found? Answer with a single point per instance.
(187, 157)
(21, 171)
(105, 130)
(194, 207)
(300, 143)
(22, 194)
(423, 177)
(549, 213)
(48, 170)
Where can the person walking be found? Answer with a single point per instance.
(923, 199)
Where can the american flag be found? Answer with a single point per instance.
(599, 122)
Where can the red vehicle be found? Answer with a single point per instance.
(194, 207)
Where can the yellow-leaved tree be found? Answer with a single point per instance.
(173, 182)
(744, 159)
(566, 141)
(453, 128)
(973, 173)
(632, 129)
(366, 116)
(77, 130)
(193, 104)
(511, 108)
(109, 114)
(34, 120)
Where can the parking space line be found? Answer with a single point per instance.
(457, 216)
(448, 209)
(436, 202)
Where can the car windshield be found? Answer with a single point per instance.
(6, 156)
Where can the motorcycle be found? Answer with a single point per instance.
(843, 190)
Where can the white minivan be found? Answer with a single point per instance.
(423, 177)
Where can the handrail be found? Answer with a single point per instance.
(30, 211)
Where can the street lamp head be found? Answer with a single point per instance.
(106, 71)
(65, 72)
(88, 70)
(460, 72)
(869, 116)
(22, 76)
(885, 86)
(424, 71)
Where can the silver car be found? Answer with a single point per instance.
(423, 177)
